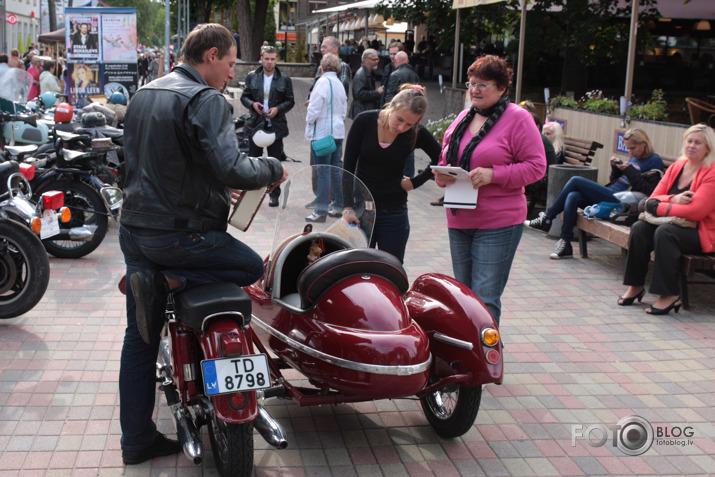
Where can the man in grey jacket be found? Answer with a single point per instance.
(182, 161)
(365, 95)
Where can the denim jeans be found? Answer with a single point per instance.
(391, 230)
(330, 182)
(481, 259)
(208, 257)
(409, 169)
(578, 192)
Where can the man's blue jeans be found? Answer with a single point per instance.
(208, 257)
(578, 192)
(391, 230)
(330, 182)
(482, 258)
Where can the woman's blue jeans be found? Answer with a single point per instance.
(208, 257)
(391, 230)
(578, 192)
(329, 178)
(482, 258)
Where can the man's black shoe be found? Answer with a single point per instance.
(149, 290)
(273, 202)
(438, 202)
(160, 447)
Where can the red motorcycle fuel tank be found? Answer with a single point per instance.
(358, 339)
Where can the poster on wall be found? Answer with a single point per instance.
(119, 38)
(83, 37)
(82, 82)
(120, 77)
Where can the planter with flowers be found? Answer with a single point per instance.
(595, 117)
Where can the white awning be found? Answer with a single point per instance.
(349, 6)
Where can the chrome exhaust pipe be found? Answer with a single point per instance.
(188, 435)
(269, 428)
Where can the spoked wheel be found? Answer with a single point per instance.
(232, 446)
(24, 269)
(452, 410)
(88, 215)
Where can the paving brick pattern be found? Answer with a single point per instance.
(572, 357)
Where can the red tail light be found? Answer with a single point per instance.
(28, 171)
(53, 199)
(231, 345)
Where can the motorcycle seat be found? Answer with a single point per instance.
(194, 305)
(330, 269)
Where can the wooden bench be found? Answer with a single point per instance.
(579, 152)
(618, 235)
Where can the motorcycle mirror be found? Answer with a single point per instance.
(112, 196)
(31, 120)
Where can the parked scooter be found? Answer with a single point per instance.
(342, 314)
(24, 266)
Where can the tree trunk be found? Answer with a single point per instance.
(52, 10)
(251, 27)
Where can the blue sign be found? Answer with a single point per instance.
(621, 143)
(210, 377)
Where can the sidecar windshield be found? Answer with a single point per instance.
(298, 191)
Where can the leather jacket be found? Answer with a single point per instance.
(365, 95)
(404, 73)
(182, 157)
(280, 96)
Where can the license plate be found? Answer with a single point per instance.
(50, 224)
(231, 375)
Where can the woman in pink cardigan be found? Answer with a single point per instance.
(501, 147)
(687, 190)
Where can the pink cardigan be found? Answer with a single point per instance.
(515, 150)
(702, 207)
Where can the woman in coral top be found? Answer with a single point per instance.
(687, 190)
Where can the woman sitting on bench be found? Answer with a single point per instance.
(687, 190)
(580, 192)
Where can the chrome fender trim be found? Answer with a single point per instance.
(457, 343)
(344, 363)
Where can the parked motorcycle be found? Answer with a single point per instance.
(24, 266)
(81, 174)
(342, 314)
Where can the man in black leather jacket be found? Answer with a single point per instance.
(268, 96)
(182, 161)
(365, 95)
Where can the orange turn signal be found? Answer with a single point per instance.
(36, 224)
(65, 214)
(490, 336)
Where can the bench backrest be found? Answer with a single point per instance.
(579, 152)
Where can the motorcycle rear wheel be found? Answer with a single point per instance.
(232, 446)
(87, 208)
(24, 269)
(452, 410)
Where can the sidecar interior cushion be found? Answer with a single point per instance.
(332, 268)
(195, 304)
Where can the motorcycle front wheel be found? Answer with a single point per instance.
(232, 446)
(24, 269)
(88, 212)
(452, 410)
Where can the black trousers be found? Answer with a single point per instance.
(669, 242)
(274, 150)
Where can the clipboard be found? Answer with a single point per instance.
(247, 204)
(461, 194)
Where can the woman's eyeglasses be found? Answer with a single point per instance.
(478, 86)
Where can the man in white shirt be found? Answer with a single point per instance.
(268, 95)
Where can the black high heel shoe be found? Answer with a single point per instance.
(629, 301)
(664, 311)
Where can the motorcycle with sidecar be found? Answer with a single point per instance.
(342, 314)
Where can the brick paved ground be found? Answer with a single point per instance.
(572, 358)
